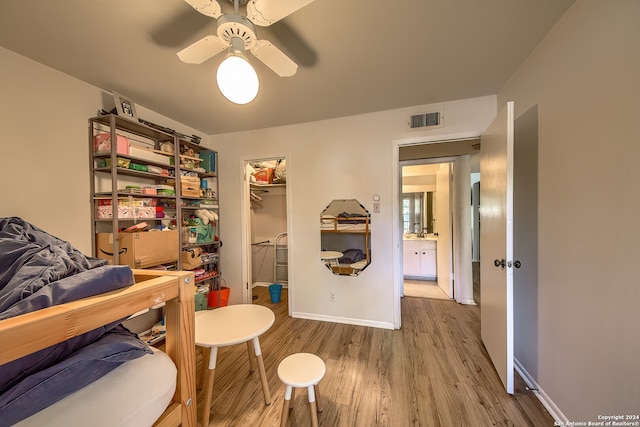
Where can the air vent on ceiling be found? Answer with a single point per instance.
(426, 120)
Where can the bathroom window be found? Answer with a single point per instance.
(412, 204)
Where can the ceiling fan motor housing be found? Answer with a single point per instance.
(235, 26)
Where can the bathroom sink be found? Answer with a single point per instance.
(415, 237)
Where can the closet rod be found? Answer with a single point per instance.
(261, 243)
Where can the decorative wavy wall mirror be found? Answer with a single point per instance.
(345, 228)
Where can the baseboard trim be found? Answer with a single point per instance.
(344, 320)
(467, 302)
(553, 409)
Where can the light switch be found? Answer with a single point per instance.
(376, 207)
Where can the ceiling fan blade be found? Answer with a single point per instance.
(206, 7)
(294, 45)
(266, 12)
(273, 58)
(202, 50)
(179, 29)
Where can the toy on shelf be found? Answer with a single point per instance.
(206, 215)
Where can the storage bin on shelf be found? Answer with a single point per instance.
(201, 301)
(149, 155)
(208, 161)
(121, 162)
(191, 258)
(189, 185)
(165, 190)
(128, 207)
(196, 232)
(102, 144)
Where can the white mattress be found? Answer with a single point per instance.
(133, 395)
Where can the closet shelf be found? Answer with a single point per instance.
(258, 186)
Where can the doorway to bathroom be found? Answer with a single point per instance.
(427, 228)
(461, 157)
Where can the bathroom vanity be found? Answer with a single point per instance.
(419, 257)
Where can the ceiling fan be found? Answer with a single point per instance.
(238, 33)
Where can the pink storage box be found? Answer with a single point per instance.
(102, 143)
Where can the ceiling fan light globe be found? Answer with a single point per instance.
(237, 80)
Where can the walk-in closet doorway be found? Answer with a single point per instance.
(265, 217)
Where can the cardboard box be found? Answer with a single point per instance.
(140, 250)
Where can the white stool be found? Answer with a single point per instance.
(301, 370)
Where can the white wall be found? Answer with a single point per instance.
(44, 160)
(525, 241)
(585, 78)
(350, 157)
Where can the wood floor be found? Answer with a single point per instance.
(432, 372)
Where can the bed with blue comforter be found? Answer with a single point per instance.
(37, 271)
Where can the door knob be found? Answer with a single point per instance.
(516, 264)
(500, 263)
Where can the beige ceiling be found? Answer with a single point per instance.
(355, 56)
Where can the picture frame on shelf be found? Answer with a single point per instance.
(125, 106)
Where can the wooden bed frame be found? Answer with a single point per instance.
(43, 328)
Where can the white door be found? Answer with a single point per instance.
(496, 243)
(247, 274)
(442, 226)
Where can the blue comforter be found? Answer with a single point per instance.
(31, 258)
(38, 270)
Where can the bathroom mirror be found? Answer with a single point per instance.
(345, 228)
